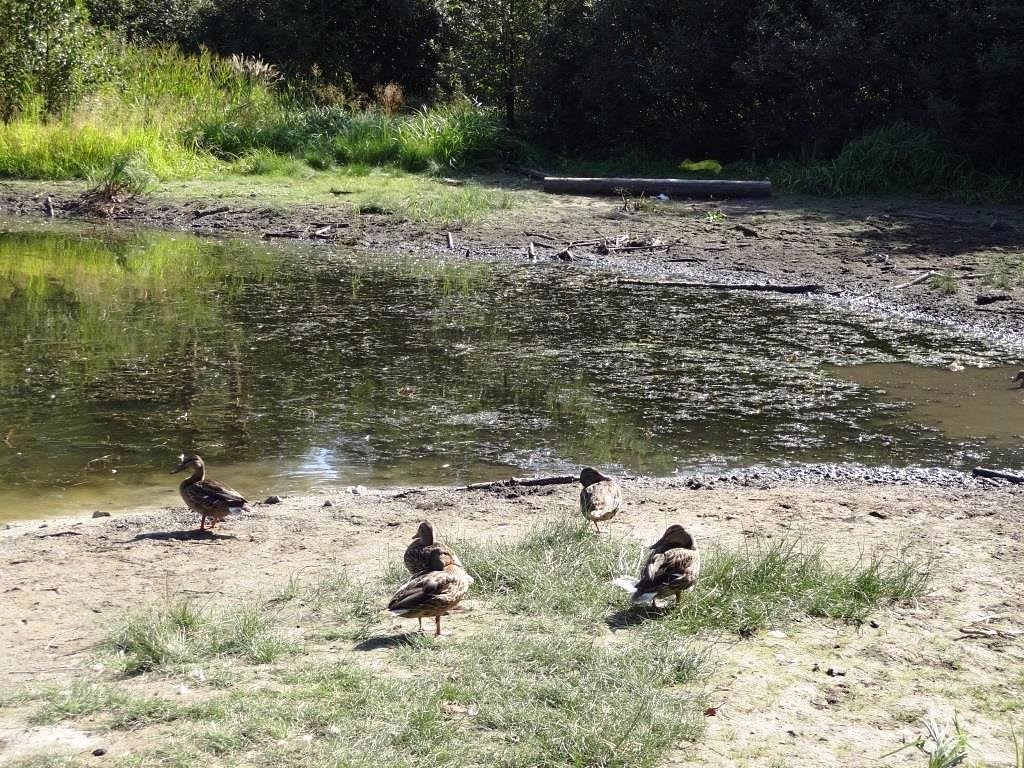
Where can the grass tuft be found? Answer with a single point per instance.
(183, 633)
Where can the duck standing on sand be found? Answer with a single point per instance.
(434, 592)
(600, 498)
(418, 553)
(671, 567)
(208, 498)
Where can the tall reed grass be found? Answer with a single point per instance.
(190, 115)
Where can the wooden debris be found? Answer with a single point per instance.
(210, 212)
(915, 281)
(653, 187)
(451, 241)
(996, 474)
(522, 482)
(763, 287)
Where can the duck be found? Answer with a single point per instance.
(417, 554)
(435, 592)
(1019, 377)
(671, 567)
(600, 498)
(208, 498)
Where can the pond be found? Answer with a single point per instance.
(294, 368)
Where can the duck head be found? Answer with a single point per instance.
(425, 533)
(589, 476)
(191, 461)
(673, 537)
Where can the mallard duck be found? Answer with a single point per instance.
(672, 566)
(417, 554)
(600, 498)
(1019, 377)
(208, 498)
(434, 592)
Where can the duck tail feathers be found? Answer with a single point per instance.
(625, 582)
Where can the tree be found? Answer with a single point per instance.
(45, 50)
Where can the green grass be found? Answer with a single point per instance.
(192, 116)
(945, 282)
(185, 633)
(551, 667)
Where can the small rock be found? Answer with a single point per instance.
(328, 503)
(99, 513)
(181, 690)
(991, 298)
(777, 633)
(99, 752)
(873, 624)
(272, 500)
(835, 672)
(358, 490)
(880, 514)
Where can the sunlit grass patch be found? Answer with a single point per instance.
(115, 708)
(184, 632)
(774, 583)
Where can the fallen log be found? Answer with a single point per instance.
(522, 482)
(651, 187)
(765, 287)
(995, 474)
(210, 212)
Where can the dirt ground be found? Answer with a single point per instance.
(869, 251)
(959, 649)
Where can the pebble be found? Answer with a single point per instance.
(328, 503)
(99, 752)
(99, 513)
(272, 500)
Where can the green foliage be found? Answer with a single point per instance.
(444, 137)
(359, 42)
(898, 159)
(45, 48)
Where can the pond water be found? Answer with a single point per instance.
(299, 368)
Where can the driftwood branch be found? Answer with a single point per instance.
(915, 281)
(995, 474)
(764, 287)
(522, 482)
(210, 212)
(652, 187)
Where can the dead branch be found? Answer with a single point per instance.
(763, 287)
(915, 281)
(995, 474)
(522, 482)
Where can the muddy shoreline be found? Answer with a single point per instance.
(869, 255)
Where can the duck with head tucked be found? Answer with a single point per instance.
(435, 592)
(672, 566)
(600, 498)
(205, 497)
(418, 553)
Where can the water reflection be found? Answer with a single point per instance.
(298, 367)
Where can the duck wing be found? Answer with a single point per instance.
(210, 493)
(430, 592)
(664, 572)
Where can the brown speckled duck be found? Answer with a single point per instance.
(672, 566)
(418, 554)
(208, 498)
(434, 592)
(600, 498)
